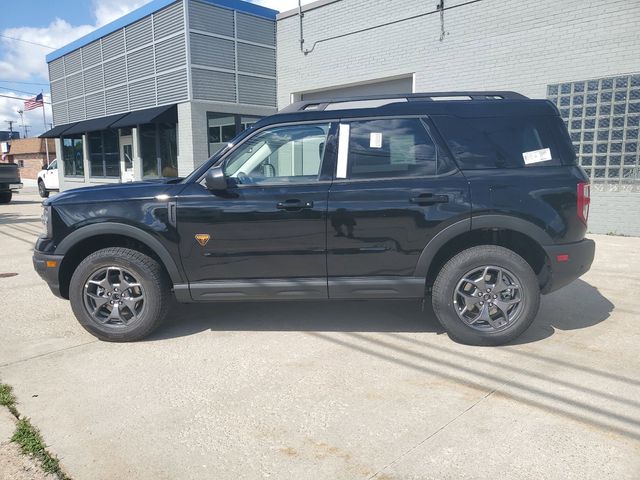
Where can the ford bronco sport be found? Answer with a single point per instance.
(471, 200)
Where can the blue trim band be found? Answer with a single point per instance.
(150, 8)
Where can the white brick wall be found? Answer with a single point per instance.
(519, 45)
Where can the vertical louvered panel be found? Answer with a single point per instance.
(93, 79)
(212, 85)
(170, 53)
(115, 72)
(113, 44)
(139, 33)
(94, 105)
(56, 69)
(257, 91)
(254, 59)
(206, 17)
(172, 87)
(255, 29)
(142, 94)
(91, 54)
(58, 91)
(60, 115)
(74, 85)
(72, 62)
(168, 20)
(212, 52)
(117, 100)
(76, 109)
(140, 63)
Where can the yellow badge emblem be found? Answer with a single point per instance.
(203, 238)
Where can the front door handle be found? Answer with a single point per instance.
(294, 205)
(429, 199)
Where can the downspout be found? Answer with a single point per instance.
(300, 15)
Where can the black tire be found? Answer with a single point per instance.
(5, 197)
(44, 193)
(450, 283)
(152, 282)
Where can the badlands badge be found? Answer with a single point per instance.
(203, 238)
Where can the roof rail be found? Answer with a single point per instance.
(374, 101)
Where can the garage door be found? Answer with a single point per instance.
(387, 87)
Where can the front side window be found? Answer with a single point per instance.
(389, 148)
(104, 155)
(72, 156)
(280, 155)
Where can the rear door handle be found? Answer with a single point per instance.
(293, 205)
(429, 199)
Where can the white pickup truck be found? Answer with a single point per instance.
(48, 179)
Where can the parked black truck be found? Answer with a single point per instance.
(471, 200)
(9, 181)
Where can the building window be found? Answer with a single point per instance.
(223, 128)
(603, 117)
(21, 163)
(73, 156)
(159, 150)
(104, 155)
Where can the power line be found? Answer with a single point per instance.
(19, 91)
(23, 83)
(26, 41)
(19, 98)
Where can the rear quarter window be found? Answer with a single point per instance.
(505, 142)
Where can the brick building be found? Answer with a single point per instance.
(30, 155)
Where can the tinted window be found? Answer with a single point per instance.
(397, 147)
(505, 142)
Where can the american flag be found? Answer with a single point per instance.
(35, 102)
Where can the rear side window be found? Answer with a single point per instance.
(506, 142)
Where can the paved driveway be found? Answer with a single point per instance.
(316, 390)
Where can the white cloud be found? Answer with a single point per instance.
(106, 11)
(280, 5)
(33, 118)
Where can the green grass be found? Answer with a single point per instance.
(8, 399)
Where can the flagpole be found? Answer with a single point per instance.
(44, 121)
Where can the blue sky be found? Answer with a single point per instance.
(53, 23)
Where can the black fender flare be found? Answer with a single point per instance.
(506, 222)
(112, 228)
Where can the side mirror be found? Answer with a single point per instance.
(215, 179)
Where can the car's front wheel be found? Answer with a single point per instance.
(119, 294)
(486, 295)
(42, 190)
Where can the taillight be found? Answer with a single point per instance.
(584, 199)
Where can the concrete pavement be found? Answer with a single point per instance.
(329, 390)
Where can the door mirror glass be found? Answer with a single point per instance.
(215, 179)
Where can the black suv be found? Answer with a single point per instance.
(472, 200)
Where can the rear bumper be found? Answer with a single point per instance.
(49, 273)
(568, 262)
(13, 186)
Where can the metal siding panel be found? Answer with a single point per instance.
(73, 62)
(60, 115)
(254, 59)
(212, 85)
(212, 51)
(91, 54)
(117, 100)
(172, 87)
(76, 109)
(140, 63)
(255, 29)
(74, 85)
(56, 69)
(58, 91)
(139, 33)
(93, 79)
(170, 53)
(209, 18)
(142, 94)
(168, 20)
(94, 105)
(115, 72)
(256, 91)
(113, 44)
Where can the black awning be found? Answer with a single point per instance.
(57, 131)
(165, 114)
(94, 124)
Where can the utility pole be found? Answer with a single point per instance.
(10, 122)
(24, 130)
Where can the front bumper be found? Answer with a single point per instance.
(48, 267)
(567, 262)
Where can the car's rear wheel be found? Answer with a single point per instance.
(119, 295)
(42, 190)
(5, 197)
(486, 295)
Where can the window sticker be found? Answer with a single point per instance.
(537, 156)
(375, 140)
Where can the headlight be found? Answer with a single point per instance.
(46, 221)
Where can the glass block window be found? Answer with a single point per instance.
(603, 118)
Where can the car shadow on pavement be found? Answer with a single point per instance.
(577, 306)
